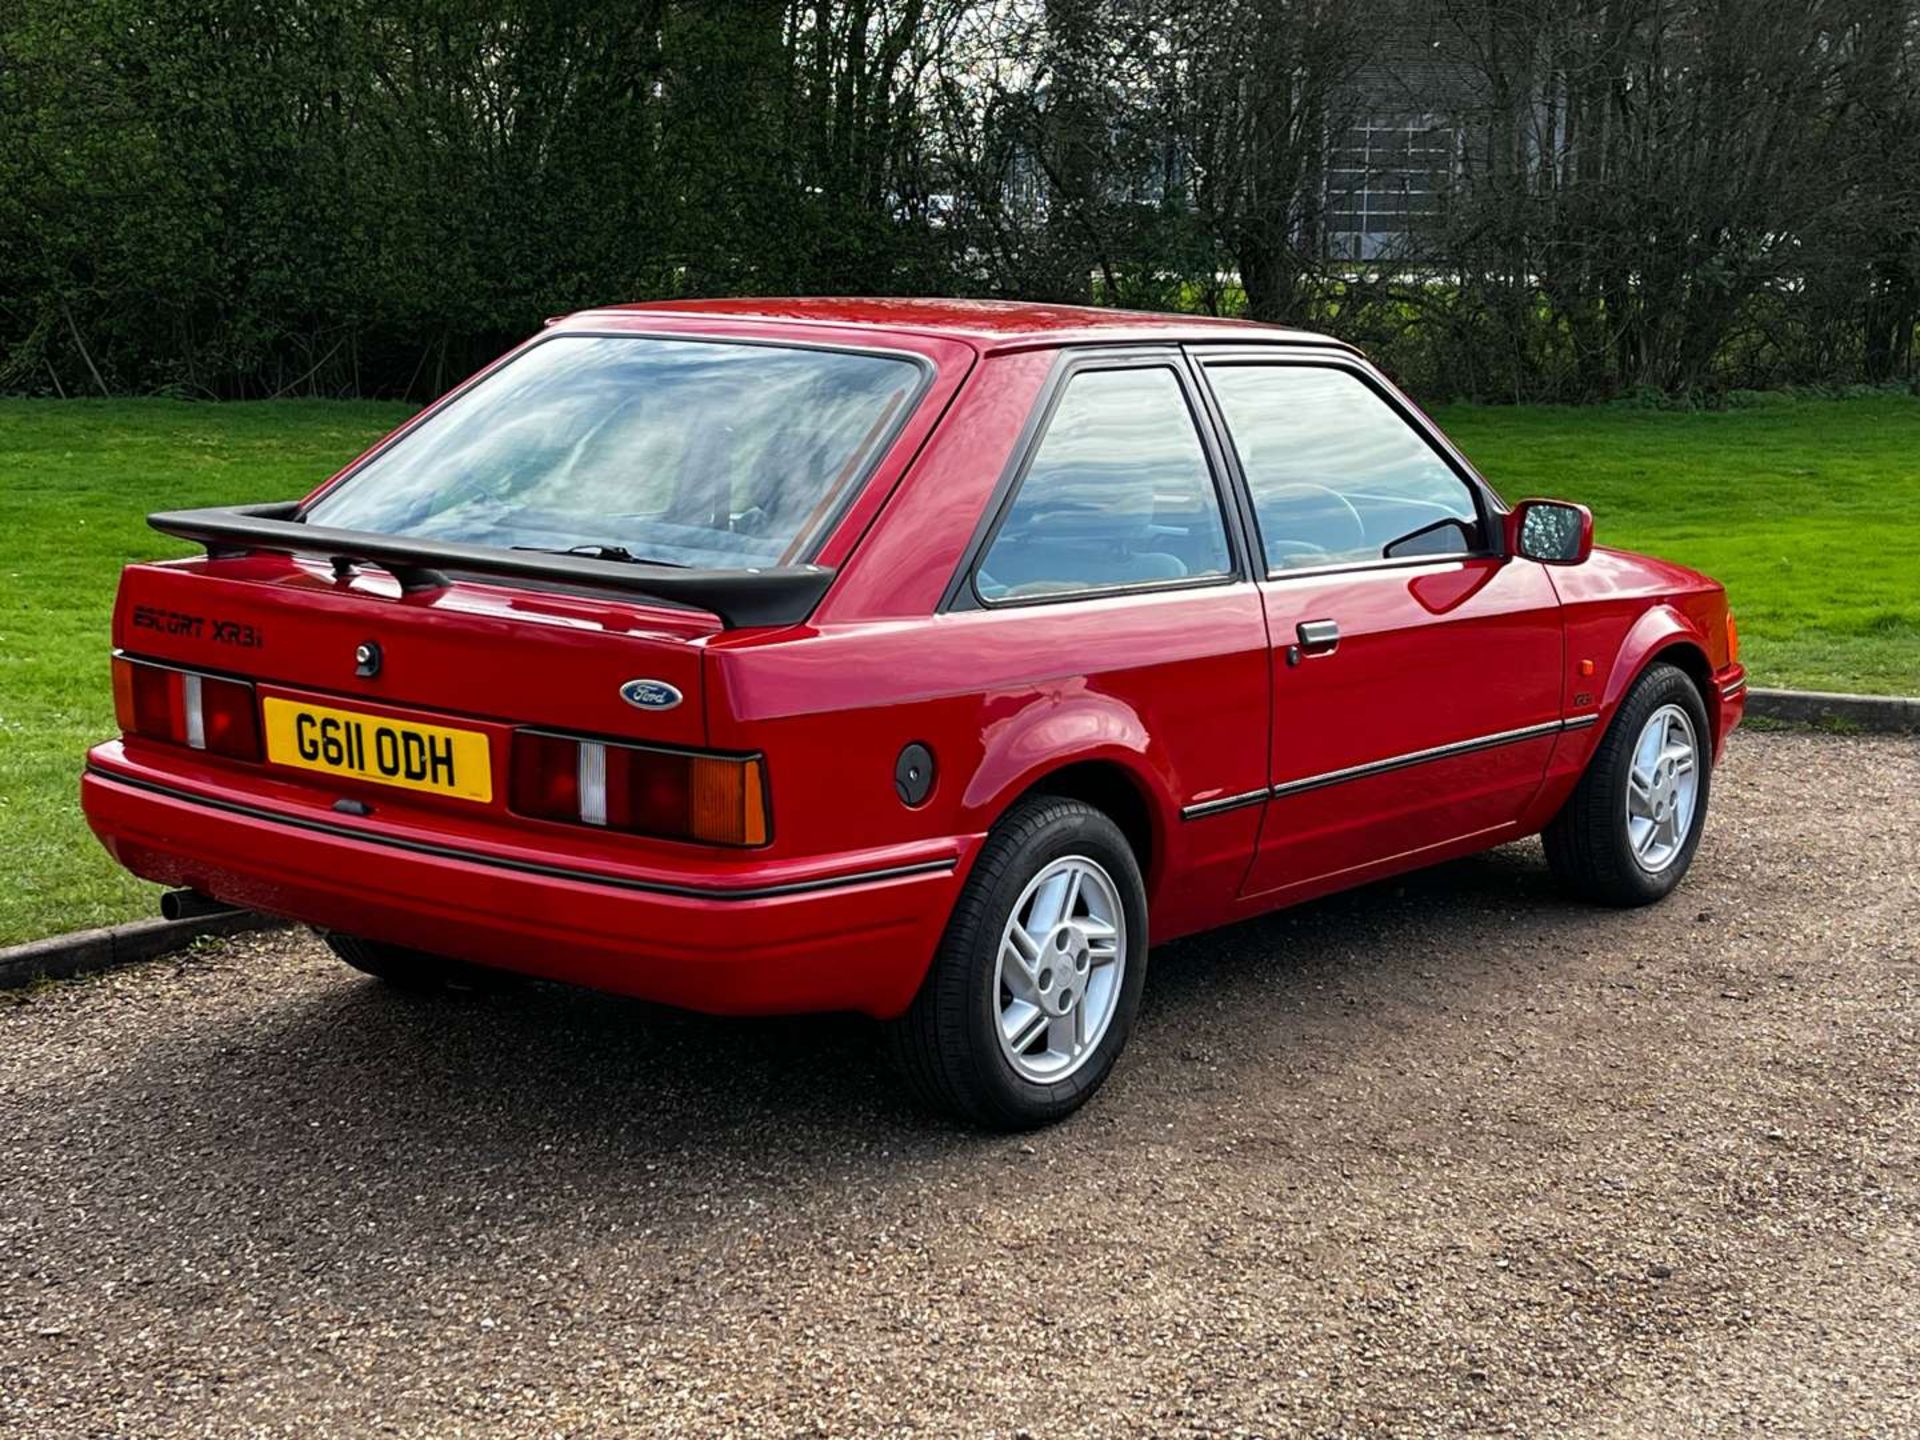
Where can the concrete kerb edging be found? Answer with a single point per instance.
(1885, 714)
(85, 951)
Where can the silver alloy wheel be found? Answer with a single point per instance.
(1062, 958)
(1663, 787)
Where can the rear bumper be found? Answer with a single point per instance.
(847, 937)
(1731, 683)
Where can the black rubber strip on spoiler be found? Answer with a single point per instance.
(775, 595)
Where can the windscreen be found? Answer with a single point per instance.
(681, 452)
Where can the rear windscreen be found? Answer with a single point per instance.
(683, 452)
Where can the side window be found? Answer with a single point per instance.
(1335, 474)
(1118, 493)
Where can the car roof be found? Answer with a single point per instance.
(987, 324)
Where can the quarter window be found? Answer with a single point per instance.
(1118, 493)
(1336, 475)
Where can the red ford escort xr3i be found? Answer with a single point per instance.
(920, 658)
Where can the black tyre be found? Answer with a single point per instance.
(1628, 832)
(414, 970)
(1034, 989)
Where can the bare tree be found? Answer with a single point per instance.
(1263, 86)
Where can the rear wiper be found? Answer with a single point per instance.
(601, 552)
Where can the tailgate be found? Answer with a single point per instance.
(489, 652)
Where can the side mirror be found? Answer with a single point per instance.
(1554, 532)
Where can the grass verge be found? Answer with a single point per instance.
(1807, 510)
(77, 479)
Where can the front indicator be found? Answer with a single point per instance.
(672, 794)
(1733, 639)
(185, 707)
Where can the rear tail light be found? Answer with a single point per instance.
(674, 794)
(185, 707)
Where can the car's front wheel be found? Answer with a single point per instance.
(1035, 987)
(1628, 832)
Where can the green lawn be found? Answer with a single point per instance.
(1809, 510)
(77, 479)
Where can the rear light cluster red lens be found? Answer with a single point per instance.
(716, 799)
(185, 707)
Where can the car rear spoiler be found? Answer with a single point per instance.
(774, 595)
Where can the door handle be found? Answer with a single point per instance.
(1316, 637)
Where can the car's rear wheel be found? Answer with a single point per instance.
(1036, 983)
(414, 970)
(1628, 833)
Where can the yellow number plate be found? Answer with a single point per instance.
(370, 747)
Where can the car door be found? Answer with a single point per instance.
(1416, 669)
(1110, 605)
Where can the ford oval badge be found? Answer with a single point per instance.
(650, 694)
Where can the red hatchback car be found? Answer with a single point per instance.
(912, 657)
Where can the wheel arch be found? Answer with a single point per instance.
(1689, 657)
(1113, 789)
(1089, 745)
(1664, 634)
(1115, 779)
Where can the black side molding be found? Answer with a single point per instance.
(774, 595)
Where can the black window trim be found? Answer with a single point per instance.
(829, 524)
(963, 591)
(1487, 504)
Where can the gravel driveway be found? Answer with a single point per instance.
(1446, 1156)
